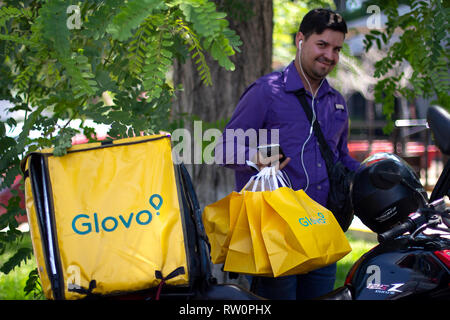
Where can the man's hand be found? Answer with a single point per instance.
(262, 162)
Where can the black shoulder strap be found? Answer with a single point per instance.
(324, 147)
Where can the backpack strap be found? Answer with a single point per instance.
(325, 150)
(158, 275)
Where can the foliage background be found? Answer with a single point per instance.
(57, 64)
(420, 39)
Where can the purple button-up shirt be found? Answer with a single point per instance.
(270, 103)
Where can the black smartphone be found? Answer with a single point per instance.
(271, 150)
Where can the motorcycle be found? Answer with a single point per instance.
(412, 259)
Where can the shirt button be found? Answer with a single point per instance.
(319, 187)
(319, 164)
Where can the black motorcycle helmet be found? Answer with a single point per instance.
(385, 191)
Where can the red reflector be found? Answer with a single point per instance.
(444, 256)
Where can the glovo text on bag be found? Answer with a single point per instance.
(305, 221)
(83, 224)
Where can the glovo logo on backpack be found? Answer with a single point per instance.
(84, 224)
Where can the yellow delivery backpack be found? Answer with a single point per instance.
(112, 218)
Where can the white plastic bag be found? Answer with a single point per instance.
(268, 179)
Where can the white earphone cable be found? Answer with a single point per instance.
(312, 120)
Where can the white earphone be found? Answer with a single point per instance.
(313, 119)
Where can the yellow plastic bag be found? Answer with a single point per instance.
(253, 204)
(116, 223)
(240, 256)
(284, 251)
(247, 252)
(277, 231)
(219, 219)
(306, 237)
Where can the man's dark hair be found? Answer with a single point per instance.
(317, 20)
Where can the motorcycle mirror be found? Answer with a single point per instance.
(439, 122)
(385, 175)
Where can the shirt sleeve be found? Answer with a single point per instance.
(239, 141)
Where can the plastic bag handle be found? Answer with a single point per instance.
(286, 182)
(264, 177)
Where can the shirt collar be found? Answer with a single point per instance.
(293, 82)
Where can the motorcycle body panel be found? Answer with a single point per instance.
(401, 269)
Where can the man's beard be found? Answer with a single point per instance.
(320, 73)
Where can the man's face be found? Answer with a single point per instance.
(320, 53)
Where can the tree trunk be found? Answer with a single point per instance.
(210, 104)
(218, 101)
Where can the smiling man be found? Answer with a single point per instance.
(271, 103)
(318, 48)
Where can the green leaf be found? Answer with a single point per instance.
(63, 141)
(33, 285)
(22, 255)
(130, 16)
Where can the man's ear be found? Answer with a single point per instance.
(299, 37)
